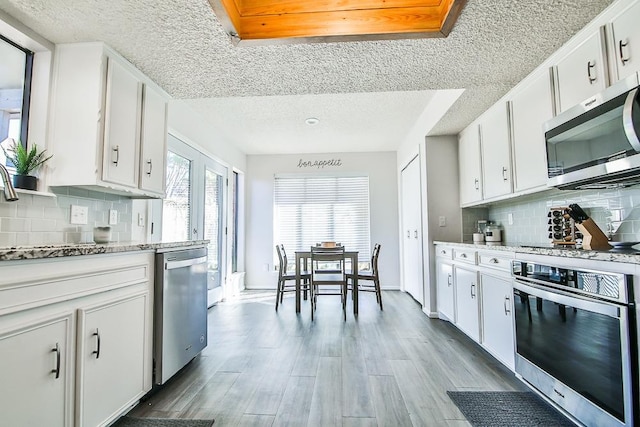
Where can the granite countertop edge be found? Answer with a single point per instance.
(15, 253)
(631, 258)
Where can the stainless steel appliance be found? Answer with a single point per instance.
(575, 341)
(180, 310)
(595, 144)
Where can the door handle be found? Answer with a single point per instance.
(621, 44)
(415, 234)
(477, 183)
(507, 304)
(150, 167)
(97, 350)
(449, 282)
(408, 234)
(473, 289)
(590, 66)
(56, 350)
(504, 174)
(116, 151)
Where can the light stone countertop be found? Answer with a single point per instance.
(625, 256)
(75, 249)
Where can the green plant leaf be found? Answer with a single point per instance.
(25, 161)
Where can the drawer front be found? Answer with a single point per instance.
(467, 256)
(444, 252)
(497, 261)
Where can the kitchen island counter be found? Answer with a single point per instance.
(15, 253)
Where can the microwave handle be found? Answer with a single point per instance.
(627, 119)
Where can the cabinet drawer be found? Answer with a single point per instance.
(444, 252)
(497, 261)
(467, 256)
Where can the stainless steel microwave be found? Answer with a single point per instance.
(596, 144)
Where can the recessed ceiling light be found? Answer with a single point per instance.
(312, 121)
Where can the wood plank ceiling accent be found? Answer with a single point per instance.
(302, 21)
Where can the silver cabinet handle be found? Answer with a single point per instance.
(507, 305)
(150, 167)
(493, 260)
(97, 350)
(415, 234)
(477, 183)
(473, 290)
(621, 44)
(504, 174)
(463, 255)
(449, 281)
(590, 66)
(116, 151)
(408, 234)
(56, 350)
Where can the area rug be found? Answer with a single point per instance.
(160, 422)
(507, 409)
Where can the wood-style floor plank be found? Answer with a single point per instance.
(383, 368)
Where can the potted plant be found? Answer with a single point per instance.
(26, 162)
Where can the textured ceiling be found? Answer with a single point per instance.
(181, 45)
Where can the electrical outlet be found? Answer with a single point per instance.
(442, 221)
(140, 220)
(113, 217)
(510, 218)
(79, 215)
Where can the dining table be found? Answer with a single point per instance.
(302, 262)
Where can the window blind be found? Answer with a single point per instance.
(310, 210)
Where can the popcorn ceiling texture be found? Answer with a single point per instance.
(181, 45)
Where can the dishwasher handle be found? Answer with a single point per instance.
(172, 264)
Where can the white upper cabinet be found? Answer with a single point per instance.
(625, 31)
(496, 151)
(153, 151)
(530, 107)
(122, 126)
(108, 123)
(583, 72)
(470, 166)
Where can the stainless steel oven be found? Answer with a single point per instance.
(575, 340)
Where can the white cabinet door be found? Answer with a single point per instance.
(111, 358)
(497, 318)
(626, 40)
(582, 73)
(153, 141)
(122, 126)
(446, 293)
(412, 231)
(470, 166)
(467, 306)
(35, 380)
(530, 108)
(496, 152)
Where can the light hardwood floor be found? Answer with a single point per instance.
(389, 368)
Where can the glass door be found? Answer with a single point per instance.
(214, 228)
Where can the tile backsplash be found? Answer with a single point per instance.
(43, 219)
(616, 212)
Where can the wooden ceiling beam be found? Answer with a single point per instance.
(271, 7)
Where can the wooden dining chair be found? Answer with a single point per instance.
(328, 275)
(369, 280)
(287, 281)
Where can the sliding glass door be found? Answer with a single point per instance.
(194, 208)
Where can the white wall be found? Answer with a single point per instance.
(381, 168)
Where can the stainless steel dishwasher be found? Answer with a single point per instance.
(180, 310)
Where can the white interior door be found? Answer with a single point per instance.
(412, 231)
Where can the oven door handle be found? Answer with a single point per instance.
(601, 307)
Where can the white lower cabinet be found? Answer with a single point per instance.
(467, 306)
(35, 375)
(446, 291)
(75, 339)
(111, 339)
(497, 318)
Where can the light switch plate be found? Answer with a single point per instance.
(442, 221)
(113, 217)
(79, 214)
(510, 218)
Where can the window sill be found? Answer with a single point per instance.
(34, 193)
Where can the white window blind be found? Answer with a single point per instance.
(310, 210)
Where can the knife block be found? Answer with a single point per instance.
(592, 237)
